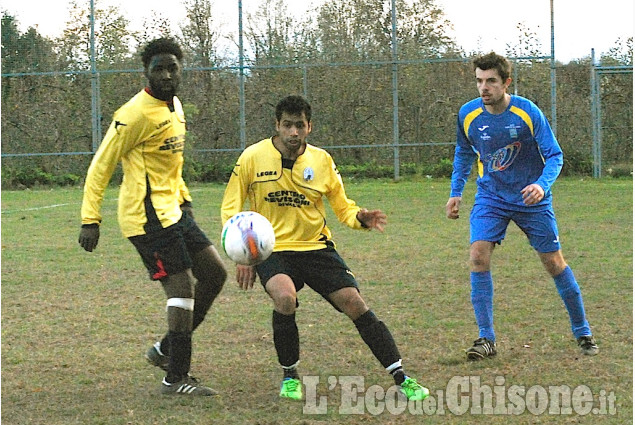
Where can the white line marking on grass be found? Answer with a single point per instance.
(60, 205)
(39, 208)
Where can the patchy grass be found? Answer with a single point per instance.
(75, 325)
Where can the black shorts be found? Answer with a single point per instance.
(170, 250)
(322, 270)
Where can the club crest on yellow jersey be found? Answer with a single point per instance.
(308, 174)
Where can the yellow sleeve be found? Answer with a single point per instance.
(345, 209)
(236, 190)
(101, 169)
(184, 193)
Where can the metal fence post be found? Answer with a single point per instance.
(395, 92)
(554, 111)
(595, 119)
(95, 101)
(241, 66)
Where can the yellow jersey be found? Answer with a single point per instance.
(148, 136)
(290, 194)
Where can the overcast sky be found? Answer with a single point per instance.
(580, 25)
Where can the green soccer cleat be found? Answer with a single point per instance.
(413, 390)
(291, 388)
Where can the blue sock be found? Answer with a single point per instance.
(570, 293)
(483, 303)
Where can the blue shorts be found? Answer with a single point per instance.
(489, 223)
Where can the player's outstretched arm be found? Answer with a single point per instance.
(374, 219)
(452, 207)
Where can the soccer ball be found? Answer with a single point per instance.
(248, 238)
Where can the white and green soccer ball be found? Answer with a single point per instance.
(248, 238)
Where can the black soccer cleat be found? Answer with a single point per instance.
(481, 349)
(587, 345)
(155, 357)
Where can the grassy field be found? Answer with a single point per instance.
(75, 325)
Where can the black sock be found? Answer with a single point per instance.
(379, 339)
(286, 339)
(165, 345)
(290, 372)
(205, 296)
(398, 375)
(180, 355)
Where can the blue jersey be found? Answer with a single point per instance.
(512, 149)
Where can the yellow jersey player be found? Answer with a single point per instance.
(147, 135)
(286, 180)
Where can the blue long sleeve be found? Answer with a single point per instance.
(464, 157)
(550, 151)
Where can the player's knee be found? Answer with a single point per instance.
(285, 302)
(554, 268)
(215, 277)
(479, 258)
(209, 267)
(221, 277)
(479, 263)
(553, 262)
(351, 303)
(210, 286)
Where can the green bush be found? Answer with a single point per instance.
(442, 169)
(366, 170)
(67, 179)
(218, 172)
(577, 163)
(620, 170)
(207, 172)
(26, 177)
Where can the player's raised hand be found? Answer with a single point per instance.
(374, 219)
(89, 236)
(452, 207)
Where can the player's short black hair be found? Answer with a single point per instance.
(494, 61)
(158, 46)
(293, 105)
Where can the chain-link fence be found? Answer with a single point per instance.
(612, 112)
(50, 119)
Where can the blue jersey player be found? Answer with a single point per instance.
(518, 160)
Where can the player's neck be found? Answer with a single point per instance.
(169, 98)
(499, 107)
(285, 151)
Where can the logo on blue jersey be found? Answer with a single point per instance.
(513, 130)
(483, 128)
(504, 157)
